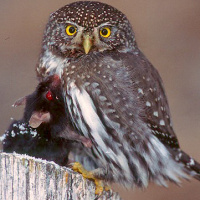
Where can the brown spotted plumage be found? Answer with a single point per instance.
(114, 95)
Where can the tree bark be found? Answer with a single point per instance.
(26, 178)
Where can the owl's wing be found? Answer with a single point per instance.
(152, 95)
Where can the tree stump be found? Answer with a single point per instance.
(26, 178)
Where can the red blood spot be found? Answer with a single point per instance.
(49, 95)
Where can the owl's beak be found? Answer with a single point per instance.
(87, 43)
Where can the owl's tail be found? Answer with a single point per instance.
(191, 166)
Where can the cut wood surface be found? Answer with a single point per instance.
(27, 178)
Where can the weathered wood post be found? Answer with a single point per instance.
(26, 178)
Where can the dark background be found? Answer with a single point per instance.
(168, 32)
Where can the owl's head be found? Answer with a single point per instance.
(85, 26)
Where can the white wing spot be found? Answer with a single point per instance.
(148, 104)
(140, 91)
(150, 89)
(155, 113)
(94, 84)
(102, 98)
(162, 122)
(191, 163)
(73, 66)
(86, 84)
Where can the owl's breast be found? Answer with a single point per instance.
(110, 86)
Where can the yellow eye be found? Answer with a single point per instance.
(105, 32)
(70, 30)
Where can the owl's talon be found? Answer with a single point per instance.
(99, 186)
(107, 188)
(77, 167)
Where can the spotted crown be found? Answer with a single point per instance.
(92, 14)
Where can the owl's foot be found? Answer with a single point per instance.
(100, 187)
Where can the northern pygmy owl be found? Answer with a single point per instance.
(114, 95)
